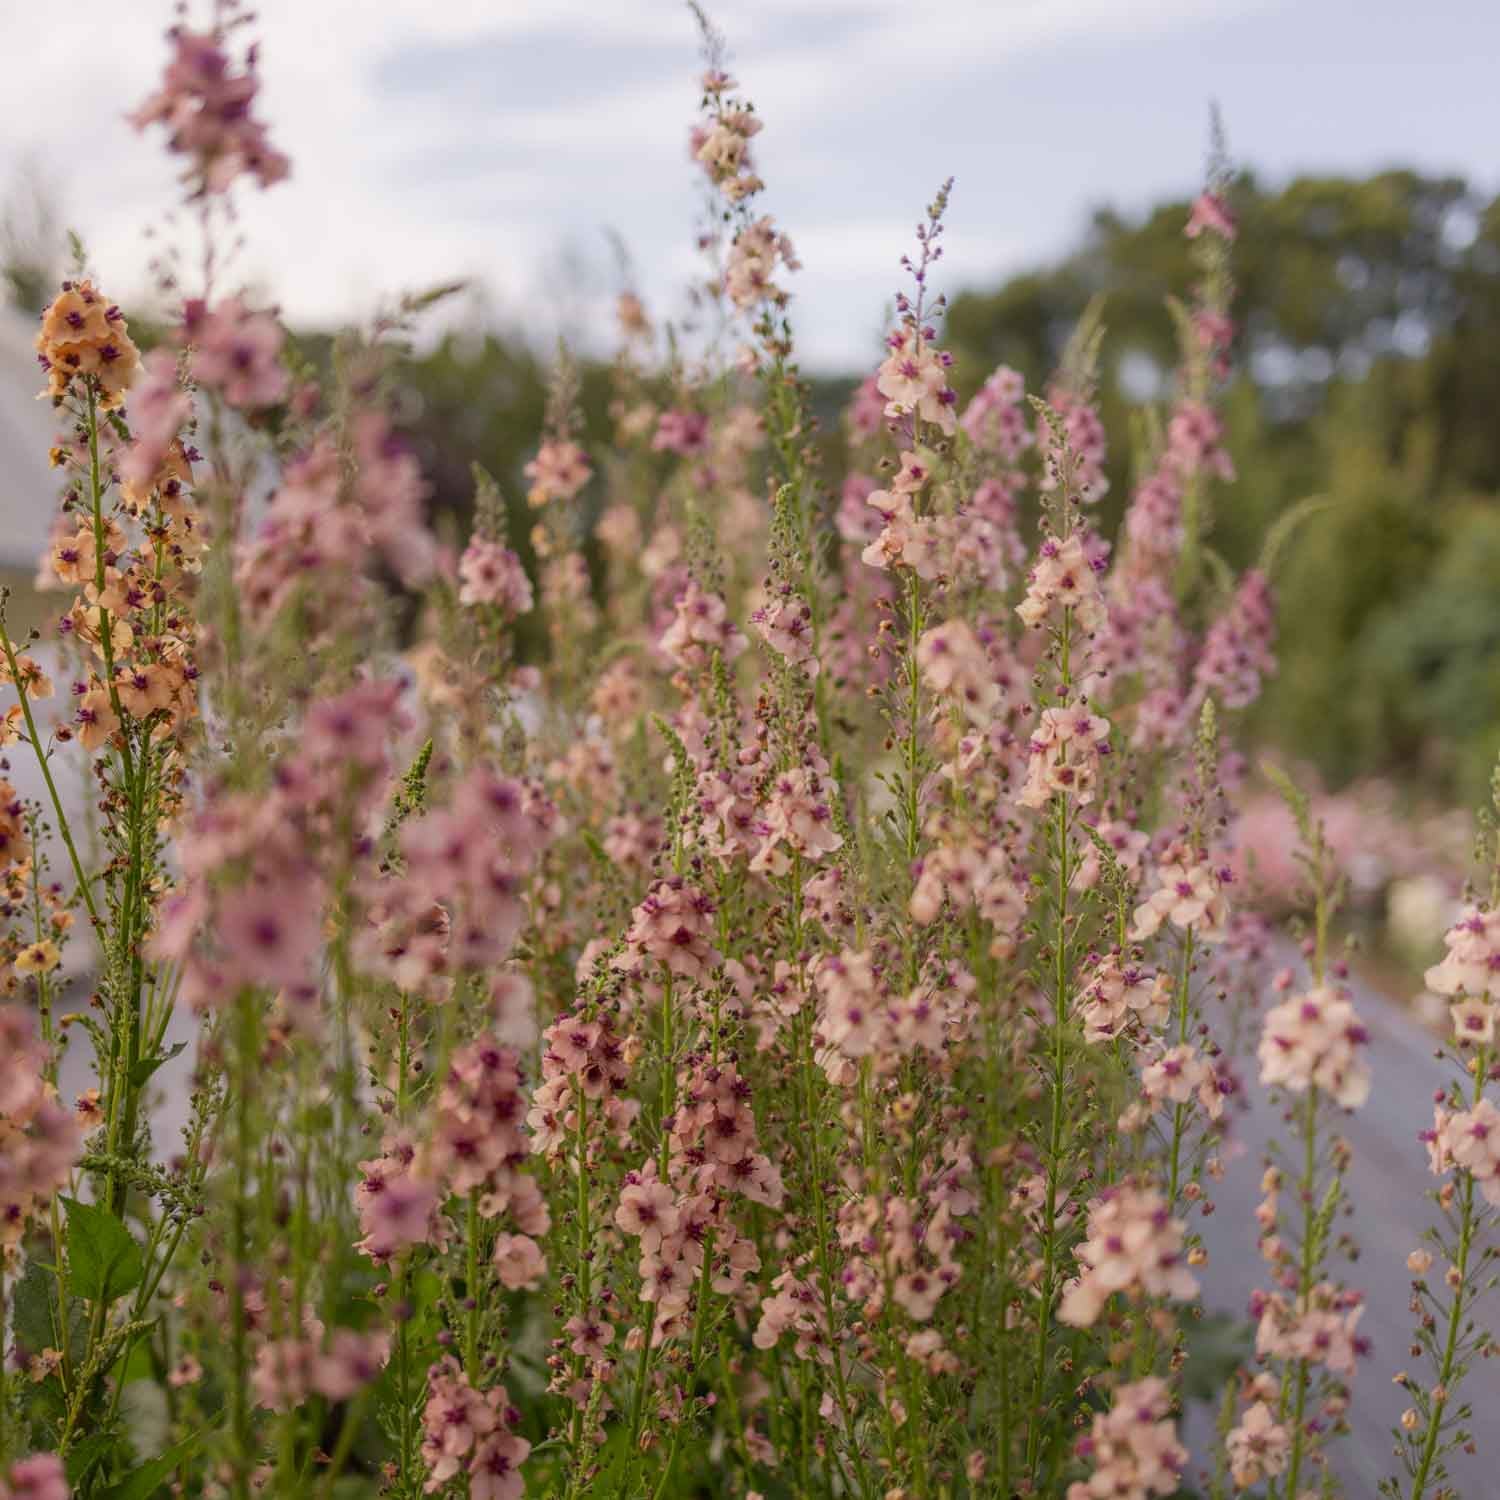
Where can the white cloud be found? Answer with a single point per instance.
(434, 138)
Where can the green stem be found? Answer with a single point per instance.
(1307, 1269)
(348, 1430)
(1432, 1438)
(1056, 1129)
(471, 1289)
(65, 832)
(239, 1403)
(1182, 1112)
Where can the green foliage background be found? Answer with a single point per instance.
(1369, 361)
(1368, 367)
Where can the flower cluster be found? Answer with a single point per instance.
(83, 339)
(1314, 1040)
(1468, 1140)
(722, 146)
(469, 1432)
(914, 380)
(1317, 1327)
(1133, 1447)
(1189, 895)
(701, 625)
(207, 107)
(236, 352)
(1135, 1247)
(1121, 998)
(1066, 747)
(1064, 579)
(673, 927)
(995, 419)
(558, 472)
(459, 901)
(477, 1146)
(757, 251)
(1471, 964)
(492, 575)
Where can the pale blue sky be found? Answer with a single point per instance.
(497, 138)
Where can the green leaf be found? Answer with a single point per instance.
(152, 1475)
(34, 1324)
(86, 1455)
(35, 1318)
(143, 1070)
(104, 1261)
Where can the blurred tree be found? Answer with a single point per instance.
(1369, 354)
(32, 250)
(1394, 280)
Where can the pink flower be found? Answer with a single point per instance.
(1133, 1447)
(1210, 215)
(1066, 749)
(236, 352)
(648, 1211)
(798, 819)
(786, 627)
(855, 1015)
(753, 258)
(495, 1472)
(1135, 1247)
(492, 574)
(995, 419)
(673, 925)
(351, 1362)
(1258, 1447)
(206, 108)
(681, 431)
(396, 1208)
(1470, 1141)
(1314, 1040)
(1471, 965)
(558, 472)
(1318, 1328)
(1473, 1022)
(955, 666)
(1064, 578)
(519, 1261)
(722, 147)
(1190, 897)
(701, 625)
(917, 1293)
(590, 1337)
(1195, 438)
(40, 1477)
(914, 381)
(271, 934)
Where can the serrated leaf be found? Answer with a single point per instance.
(104, 1261)
(144, 1483)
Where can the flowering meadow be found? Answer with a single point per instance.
(782, 1038)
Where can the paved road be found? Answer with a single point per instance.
(1387, 1182)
